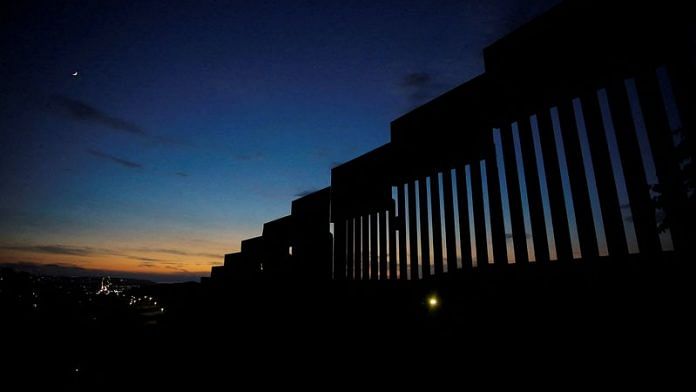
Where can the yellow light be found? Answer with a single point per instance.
(433, 301)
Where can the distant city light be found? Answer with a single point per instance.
(105, 287)
(161, 309)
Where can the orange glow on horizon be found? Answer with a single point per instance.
(151, 258)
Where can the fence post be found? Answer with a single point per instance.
(559, 215)
(604, 175)
(587, 234)
(519, 234)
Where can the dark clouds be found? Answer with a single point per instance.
(56, 249)
(147, 259)
(89, 251)
(305, 193)
(123, 162)
(179, 252)
(41, 268)
(81, 111)
(416, 80)
(179, 273)
(419, 86)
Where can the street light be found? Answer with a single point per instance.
(433, 302)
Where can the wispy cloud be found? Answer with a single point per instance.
(178, 252)
(71, 250)
(169, 266)
(123, 162)
(305, 193)
(419, 86)
(57, 249)
(28, 265)
(416, 85)
(181, 174)
(82, 111)
(149, 260)
(416, 79)
(175, 268)
(52, 269)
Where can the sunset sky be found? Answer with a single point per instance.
(190, 124)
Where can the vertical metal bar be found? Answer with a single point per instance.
(463, 208)
(349, 250)
(339, 269)
(587, 235)
(642, 208)
(366, 247)
(357, 243)
(413, 230)
(424, 223)
(495, 205)
(672, 198)
(604, 175)
(536, 207)
(450, 240)
(374, 241)
(392, 243)
(437, 223)
(519, 235)
(559, 215)
(479, 216)
(383, 245)
(403, 254)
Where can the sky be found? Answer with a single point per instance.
(190, 124)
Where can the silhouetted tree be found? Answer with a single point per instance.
(684, 151)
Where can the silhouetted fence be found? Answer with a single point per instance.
(575, 144)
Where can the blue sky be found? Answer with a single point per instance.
(190, 124)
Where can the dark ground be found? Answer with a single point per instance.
(585, 319)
